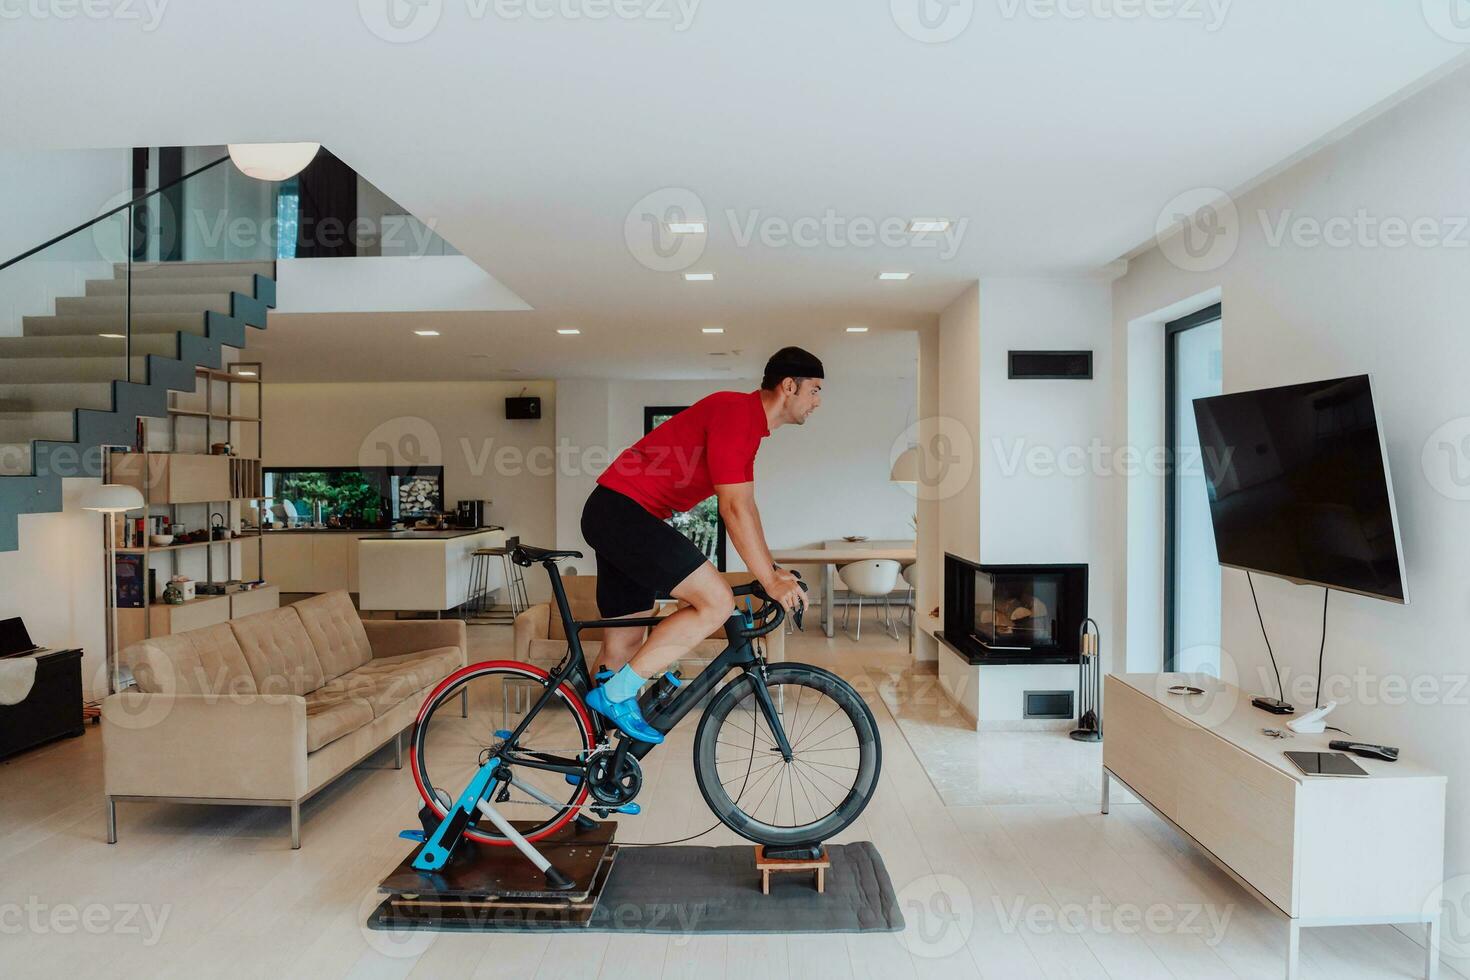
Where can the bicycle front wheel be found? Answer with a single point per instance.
(833, 772)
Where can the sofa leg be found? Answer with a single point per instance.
(111, 820)
(295, 826)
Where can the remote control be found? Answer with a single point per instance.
(1368, 751)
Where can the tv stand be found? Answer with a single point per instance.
(1321, 851)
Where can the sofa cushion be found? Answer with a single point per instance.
(582, 597)
(202, 661)
(329, 716)
(336, 632)
(279, 652)
(387, 681)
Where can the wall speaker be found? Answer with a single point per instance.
(1050, 365)
(523, 408)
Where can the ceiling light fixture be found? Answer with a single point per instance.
(685, 227)
(894, 276)
(857, 329)
(928, 224)
(568, 331)
(711, 329)
(272, 161)
(426, 333)
(698, 276)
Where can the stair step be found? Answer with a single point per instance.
(206, 269)
(15, 459)
(25, 426)
(172, 285)
(146, 303)
(82, 324)
(49, 397)
(87, 345)
(69, 370)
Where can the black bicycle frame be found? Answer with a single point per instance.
(739, 654)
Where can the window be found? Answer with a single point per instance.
(1192, 369)
(702, 525)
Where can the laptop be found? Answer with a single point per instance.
(14, 640)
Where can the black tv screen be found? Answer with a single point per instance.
(1299, 485)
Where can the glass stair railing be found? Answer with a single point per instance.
(100, 323)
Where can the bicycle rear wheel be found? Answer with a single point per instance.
(452, 739)
(836, 756)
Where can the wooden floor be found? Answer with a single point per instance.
(1034, 886)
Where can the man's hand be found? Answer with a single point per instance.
(785, 588)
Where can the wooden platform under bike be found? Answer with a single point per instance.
(482, 882)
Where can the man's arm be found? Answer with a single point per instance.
(743, 523)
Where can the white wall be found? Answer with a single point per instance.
(1296, 312)
(459, 425)
(821, 480)
(42, 195)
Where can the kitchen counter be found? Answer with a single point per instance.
(449, 535)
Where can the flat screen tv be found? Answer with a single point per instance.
(1299, 486)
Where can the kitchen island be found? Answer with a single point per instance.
(422, 571)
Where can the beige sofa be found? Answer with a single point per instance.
(540, 639)
(269, 708)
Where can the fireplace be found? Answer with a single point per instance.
(1018, 614)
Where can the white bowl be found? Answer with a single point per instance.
(161, 540)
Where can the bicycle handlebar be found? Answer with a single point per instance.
(771, 614)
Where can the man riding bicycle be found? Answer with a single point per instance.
(709, 448)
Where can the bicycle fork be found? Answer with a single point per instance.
(434, 855)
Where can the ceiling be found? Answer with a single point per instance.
(1051, 134)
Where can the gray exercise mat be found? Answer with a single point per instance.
(712, 890)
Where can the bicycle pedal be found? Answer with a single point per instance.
(630, 809)
(417, 836)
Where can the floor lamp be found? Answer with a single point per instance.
(109, 499)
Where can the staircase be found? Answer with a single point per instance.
(74, 382)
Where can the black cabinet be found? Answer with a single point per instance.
(52, 710)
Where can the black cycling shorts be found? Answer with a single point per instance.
(639, 557)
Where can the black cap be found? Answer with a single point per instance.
(791, 362)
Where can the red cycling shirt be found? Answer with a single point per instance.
(678, 464)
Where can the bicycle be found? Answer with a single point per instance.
(758, 735)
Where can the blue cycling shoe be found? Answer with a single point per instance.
(624, 714)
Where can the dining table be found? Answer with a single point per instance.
(833, 557)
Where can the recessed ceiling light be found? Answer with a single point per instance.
(568, 331)
(698, 276)
(426, 333)
(928, 224)
(685, 227)
(112, 336)
(711, 329)
(857, 329)
(893, 276)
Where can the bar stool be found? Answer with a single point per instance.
(477, 604)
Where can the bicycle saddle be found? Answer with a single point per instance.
(526, 555)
